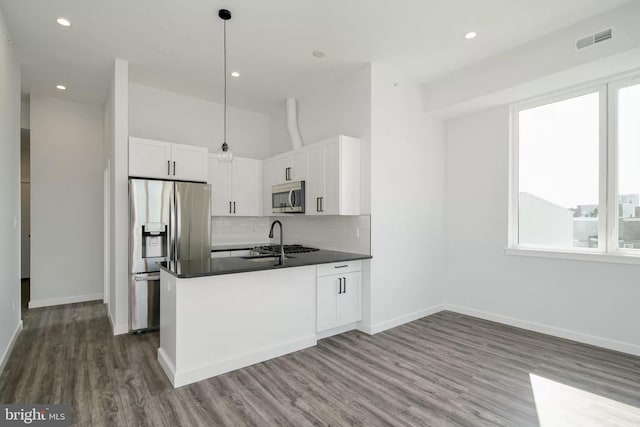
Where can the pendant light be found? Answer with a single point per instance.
(225, 155)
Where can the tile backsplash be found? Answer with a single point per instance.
(233, 230)
(338, 233)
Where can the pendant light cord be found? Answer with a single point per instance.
(225, 80)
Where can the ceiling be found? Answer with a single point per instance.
(177, 45)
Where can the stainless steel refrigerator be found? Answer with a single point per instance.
(168, 220)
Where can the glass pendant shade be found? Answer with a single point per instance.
(225, 155)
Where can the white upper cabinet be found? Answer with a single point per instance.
(333, 177)
(189, 162)
(291, 166)
(236, 187)
(220, 180)
(164, 160)
(246, 183)
(149, 158)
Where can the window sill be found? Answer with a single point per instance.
(614, 258)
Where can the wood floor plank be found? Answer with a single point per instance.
(446, 369)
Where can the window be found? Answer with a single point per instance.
(575, 171)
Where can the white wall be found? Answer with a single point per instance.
(66, 201)
(406, 204)
(167, 116)
(9, 194)
(343, 108)
(596, 302)
(116, 137)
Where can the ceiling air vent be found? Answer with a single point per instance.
(594, 39)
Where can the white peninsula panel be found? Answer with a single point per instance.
(215, 324)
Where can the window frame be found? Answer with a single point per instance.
(613, 229)
(607, 249)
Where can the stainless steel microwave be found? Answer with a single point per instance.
(288, 198)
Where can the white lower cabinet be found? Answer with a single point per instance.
(339, 295)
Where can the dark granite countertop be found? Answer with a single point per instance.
(216, 266)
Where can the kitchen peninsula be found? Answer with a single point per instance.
(221, 314)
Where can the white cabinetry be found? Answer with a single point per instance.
(333, 177)
(235, 187)
(165, 160)
(339, 295)
(287, 167)
(291, 166)
(331, 171)
(189, 162)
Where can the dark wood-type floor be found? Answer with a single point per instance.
(445, 369)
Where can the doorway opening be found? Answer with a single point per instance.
(25, 218)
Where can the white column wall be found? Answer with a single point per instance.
(10, 322)
(66, 202)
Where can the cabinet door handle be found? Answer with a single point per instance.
(174, 168)
(339, 285)
(317, 204)
(234, 207)
(229, 207)
(322, 204)
(345, 285)
(169, 167)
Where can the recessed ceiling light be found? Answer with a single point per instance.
(235, 74)
(470, 35)
(61, 87)
(319, 53)
(64, 22)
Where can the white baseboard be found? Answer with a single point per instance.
(392, 323)
(12, 341)
(167, 366)
(549, 330)
(178, 379)
(336, 331)
(65, 300)
(117, 329)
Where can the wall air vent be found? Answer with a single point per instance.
(593, 39)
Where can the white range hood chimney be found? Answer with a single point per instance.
(292, 124)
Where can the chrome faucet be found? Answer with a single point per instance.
(281, 239)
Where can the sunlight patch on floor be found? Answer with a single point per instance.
(558, 404)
